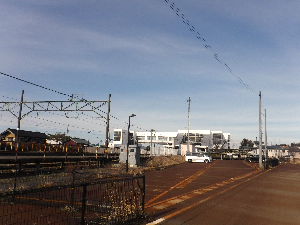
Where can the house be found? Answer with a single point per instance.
(274, 151)
(77, 142)
(277, 151)
(9, 136)
(294, 153)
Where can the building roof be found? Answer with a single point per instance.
(80, 141)
(24, 133)
(294, 149)
(278, 147)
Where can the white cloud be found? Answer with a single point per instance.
(148, 59)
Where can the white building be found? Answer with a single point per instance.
(274, 151)
(174, 142)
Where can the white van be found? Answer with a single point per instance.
(197, 157)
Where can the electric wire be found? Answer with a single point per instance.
(71, 96)
(47, 124)
(49, 89)
(177, 11)
(43, 124)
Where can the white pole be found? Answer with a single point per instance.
(151, 153)
(260, 134)
(266, 143)
(188, 141)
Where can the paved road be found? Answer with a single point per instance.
(223, 192)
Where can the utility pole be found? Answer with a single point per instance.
(266, 143)
(19, 122)
(151, 142)
(107, 126)
(188, 141)
(19, 119)
(260, 134)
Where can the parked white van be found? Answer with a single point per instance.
(197, 157)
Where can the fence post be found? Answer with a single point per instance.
(83, 205)
(15, 183)
(37, 167)
(143, 197)
(73, 189)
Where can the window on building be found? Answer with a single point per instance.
(162, 138)
(217, 139)
(199, 138)
(117, 136)
(10, 139)
(195, 137)
(149, 138)
(141, 138)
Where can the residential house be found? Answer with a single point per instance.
(9, 136)
(294, 153)
(77, 142)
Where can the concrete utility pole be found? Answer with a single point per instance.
(151, 142)
(188, 141)
(107, 126)
(19, 119)
(19, 125)
(260, 134)
(266, 143)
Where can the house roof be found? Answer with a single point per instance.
(80, 141)
(24, 133)
(294, 149)
(274, 147)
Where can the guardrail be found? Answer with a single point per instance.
(109, 201)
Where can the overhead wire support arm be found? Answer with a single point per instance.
(63, 106)
(5, 106)
(43, 106)
(58, 92)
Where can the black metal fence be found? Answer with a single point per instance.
(109, 201)
(39, 147)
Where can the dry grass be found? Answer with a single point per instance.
(295, 161)
(88, 175)
(158, 162)
(155, 162)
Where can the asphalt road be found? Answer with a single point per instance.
(223, 192)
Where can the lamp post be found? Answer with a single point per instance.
(89, 138)
(132, 115)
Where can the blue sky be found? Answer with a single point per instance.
(149, 60)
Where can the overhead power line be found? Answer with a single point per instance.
(177, 11)
(49, 89)
(37, 85)
(33, 84)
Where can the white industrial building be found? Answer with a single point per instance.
(166, 143)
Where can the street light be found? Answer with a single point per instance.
(132, 115)
(151, 142)
(89, 138)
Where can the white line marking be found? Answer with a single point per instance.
(156, 221)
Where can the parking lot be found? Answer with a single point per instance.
(223, 192)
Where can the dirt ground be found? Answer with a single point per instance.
(224, 192)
